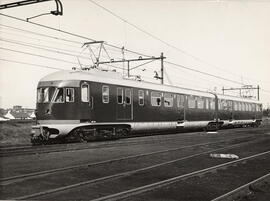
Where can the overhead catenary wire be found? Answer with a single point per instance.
(31, 64)
(70, 33)
(38, 55)
(182, 66)
(158, 38)
(43, 35)
(76, 35)
(59, 51)
(201, 72)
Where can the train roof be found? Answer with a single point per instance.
(109, 77)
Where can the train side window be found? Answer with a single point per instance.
(141, 97)
(229, 105)
(259, 107)
(249, 107)
(212, 104)
(207, 103)
(243, 107)
(105, 94)
(200, 103)
(235, 106)
(155, 98)
(221, 104)
(69, 95)
(253, 107)
(191, 102)
(85, 93)
(128, 96)
(181, 101)
(168, 100)
(119, 95)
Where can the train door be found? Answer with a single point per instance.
(124, 110)
(181, 107)
(86, 103)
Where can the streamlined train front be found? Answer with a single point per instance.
(58, 107)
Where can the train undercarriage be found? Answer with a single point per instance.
(46, 135)
(51, 134)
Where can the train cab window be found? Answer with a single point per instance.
(105, 94)
(43, 95)
(168, 100)
(85, 92)
(191, 102)
(141, 97)
(59, 95)
(200, 103)
(212, 104)
(181, 101)
(155, 98)
(128, 96)
(119, 95)
(69, 95)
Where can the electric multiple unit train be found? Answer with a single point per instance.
(91, 105)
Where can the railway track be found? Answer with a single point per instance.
(17, 178)
(111, 177)
(133, 193)
(246, 189)
(29, 149)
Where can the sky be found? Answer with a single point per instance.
(229, 39)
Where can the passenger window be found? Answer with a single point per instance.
(105, 94)
(207, 103)
(235, 106)
(155, 98)
(220, 104)
(119, 95)
(128, 96)
(168, 100)
(59, 97)
(69, 95)
(249, 107)
(181, 101)
(141, 97)
(212, 104)
(200, 103)
(191, 102)
(243, 107)
(85, 93)
(253, 107)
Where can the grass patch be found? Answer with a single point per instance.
(12, 133)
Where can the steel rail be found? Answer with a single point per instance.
(123, 174)
(8, 180)
(153, 186)
(27, 150)
(243, 188)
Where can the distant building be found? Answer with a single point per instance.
(9, 115)
(18, 112)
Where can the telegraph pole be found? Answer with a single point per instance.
(162, 68)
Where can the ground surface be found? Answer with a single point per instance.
(12, 133)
